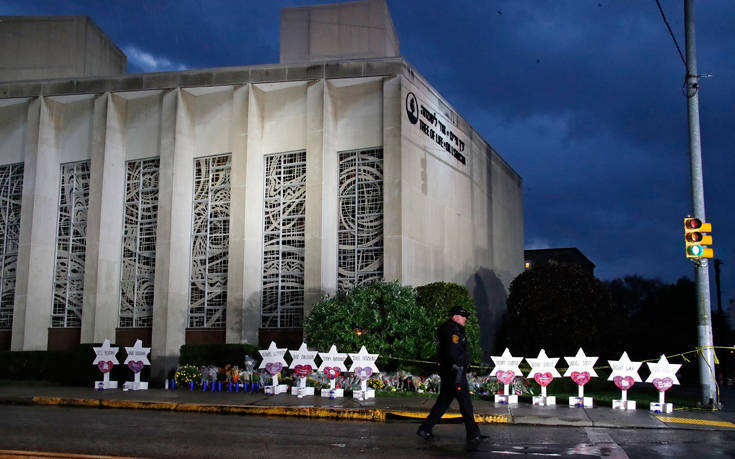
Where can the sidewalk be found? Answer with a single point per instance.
(380, 409)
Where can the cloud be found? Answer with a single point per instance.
(142, 61)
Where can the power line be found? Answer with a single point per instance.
(681, 55)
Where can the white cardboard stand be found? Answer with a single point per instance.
(581, 400)
(332, 392)
(105, 383)
(543, 399)
(136, 384)
(301, 389)
(364, 393)
(623, 403)
(661, 406)
(506, 398)
(105, 357)
(275, 388)
(136, 360)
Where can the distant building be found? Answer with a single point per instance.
(218, 205)
(44, 47)
(566, 256)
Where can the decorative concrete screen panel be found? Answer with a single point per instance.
(210, 241)
(140, 220)
(284, 213)
(360, 252)
(11, 190)
(71, 245)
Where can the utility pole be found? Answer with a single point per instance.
(701, 269)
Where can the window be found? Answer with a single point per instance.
(71, 239)
(210, 240)
(360, 230)
(140, 219)
(11, 191)
(284, 214)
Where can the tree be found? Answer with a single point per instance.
(382, 316)
(439, 297)
(560, 308)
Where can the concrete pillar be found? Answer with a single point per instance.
(34, 290)
(235, 326)
(253, 217)
(393, 98)
(171, 288)
(26, 224)
(315, 158)
(104, 220)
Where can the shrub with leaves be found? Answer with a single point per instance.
(382, 316)
(439, 297)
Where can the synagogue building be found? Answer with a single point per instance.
(218, 205)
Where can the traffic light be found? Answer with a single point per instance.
(695, 241)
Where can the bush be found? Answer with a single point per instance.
(382, 316)
(71, 368)
(560, 308)
(216, 354)
(439, 297)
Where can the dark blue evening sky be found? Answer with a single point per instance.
(581, 97)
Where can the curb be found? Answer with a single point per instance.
(364, 414)
(352, 414)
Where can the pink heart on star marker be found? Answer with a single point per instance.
(663, 384)
(544, 379)
(624, 382)
(363, 373)
(302, 371)
(136, 366)
(581, 378)
(105, 365)
(273, 368)
(332, 372)
(505, 377)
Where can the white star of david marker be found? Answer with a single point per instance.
(543, 364)
(303, 356)
(105, 353)
(580, 363)
(624, 367)
(137, 353)
(506, 362)
(332, 359)
(663, 369)
(363, 360)
(273, 355)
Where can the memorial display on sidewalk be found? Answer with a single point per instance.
(136, 360)
(624, 374)
(105, 359)
(302, 365)
(663, 377)
(506, 369)
(363, 365)
(273, 363)
(580, 370)
(543, 371)
(333, 363)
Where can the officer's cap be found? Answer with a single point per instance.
(458, 311)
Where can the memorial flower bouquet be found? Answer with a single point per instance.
(376, 383)
(186, 374)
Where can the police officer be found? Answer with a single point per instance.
(454, 358)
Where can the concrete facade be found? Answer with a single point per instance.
(337, 31)
(41, 47)
(451, 206)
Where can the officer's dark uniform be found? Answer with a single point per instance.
(453, 353)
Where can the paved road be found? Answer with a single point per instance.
(170, 434)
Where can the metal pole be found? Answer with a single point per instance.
(701, 270)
